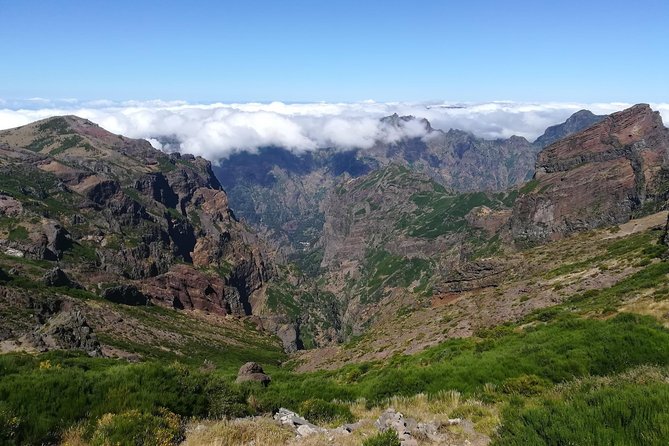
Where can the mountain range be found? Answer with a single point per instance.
(111, 247)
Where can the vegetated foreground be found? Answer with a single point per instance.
(586, 371)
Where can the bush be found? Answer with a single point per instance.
(321, 411)
(387, 438)
(134, 428)
(225, 399)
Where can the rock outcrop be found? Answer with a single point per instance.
(56, 277)
(66, 330)
(408, 429)
(601, 176)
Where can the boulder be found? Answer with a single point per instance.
(252, 371)
(66, 330)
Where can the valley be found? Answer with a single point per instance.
(487, 290)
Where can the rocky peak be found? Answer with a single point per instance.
(580, 120)
(606, 140)
(603, 175)
(398, 121)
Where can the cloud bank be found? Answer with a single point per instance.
(216, 130)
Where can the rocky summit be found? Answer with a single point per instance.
(604, 175)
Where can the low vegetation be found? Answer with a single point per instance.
(42, 395)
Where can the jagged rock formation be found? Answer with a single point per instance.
(601, 176)
(66, 330)
(118, 214)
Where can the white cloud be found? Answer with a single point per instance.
(218, 129)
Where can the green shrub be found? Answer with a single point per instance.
(321, 411)
(225, 399)
(387, 438)
(134, 428)
(622, 414)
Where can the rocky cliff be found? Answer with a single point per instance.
(113, 210)
(604, 175)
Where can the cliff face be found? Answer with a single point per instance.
(601, 176)
(114, 210)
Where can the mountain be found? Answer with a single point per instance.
(396, 242)
(580, 120)
(604, 175)
(396, 237)
(281, 193)
(391, 236)
(115, 218)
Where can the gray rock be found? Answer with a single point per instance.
(57, 278)
(66, 330)
(252, 371)
(291, 419)
(59, 239)
(393, 420)
(285, 330)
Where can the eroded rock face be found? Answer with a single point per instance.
(183, 287)
(601, 176)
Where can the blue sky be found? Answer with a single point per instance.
(302, 51)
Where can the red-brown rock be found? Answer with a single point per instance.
(600, 176)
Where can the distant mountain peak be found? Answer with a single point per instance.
(578, 121)
(396, 120)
